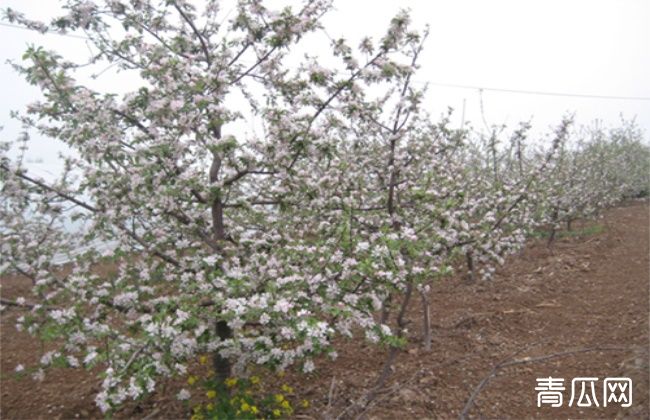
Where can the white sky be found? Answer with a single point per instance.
(591, 47)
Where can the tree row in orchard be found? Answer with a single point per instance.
(331, 217)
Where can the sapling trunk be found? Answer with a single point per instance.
(385, 310)
(519, 159)
(470, 266)
(426, 327)
(221, 365)
(551, 237)
(392, 353)
(493, 152)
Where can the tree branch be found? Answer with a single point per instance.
(507, 362)
(204, 46)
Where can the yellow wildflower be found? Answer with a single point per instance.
(255, 380)
(286, 388)
(197, 417)
(304, 403)
(211, 393)
(191, 380)
(277, 413)
(279, 398)
(245, 407)
(230, 382)
(209, 407)
(197, 408)
(285, 404)
(254, 410)
(203, 359)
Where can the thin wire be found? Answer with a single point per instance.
(536, 92)
(11, 25)
(451, 85)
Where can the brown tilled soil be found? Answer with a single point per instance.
(579, 311)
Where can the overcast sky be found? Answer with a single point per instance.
(590, 47)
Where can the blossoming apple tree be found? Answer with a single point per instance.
(226, 242)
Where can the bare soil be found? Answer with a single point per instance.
(585, 305)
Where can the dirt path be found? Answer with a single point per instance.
(591, 292)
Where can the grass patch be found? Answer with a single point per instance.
(573, 233)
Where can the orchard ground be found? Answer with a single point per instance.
(591, 292)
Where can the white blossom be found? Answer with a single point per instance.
(183, 395)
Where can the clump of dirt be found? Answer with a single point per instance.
(580, 310)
